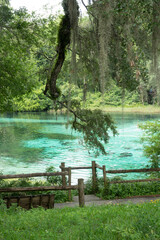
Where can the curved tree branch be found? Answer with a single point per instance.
(93, 125)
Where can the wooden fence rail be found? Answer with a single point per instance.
(67, 185)
(50, 197)
(30, 175)
(28, 189)
(95, 166)
(138, 180)
(77, 168)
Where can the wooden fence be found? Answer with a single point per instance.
(46, 201)
(95, 166)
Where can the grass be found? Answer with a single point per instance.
(132, 108)
(139, 222)
(151, 109)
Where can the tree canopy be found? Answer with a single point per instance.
(115, 46)
(16, 56)
(121, 32)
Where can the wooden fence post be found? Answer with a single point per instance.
(8, 202)
(51, 201)
(104, 175)
(94, 177)
(30, 202)
(81, 192)
(63, 176)
(69, 183)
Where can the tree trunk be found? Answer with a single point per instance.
(156, 47)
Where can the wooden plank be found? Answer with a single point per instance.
(8, 202)
(18, 201)
(63, 176)
(132, 181)
(81, 192)
(97, 166)
(40, 200)
(25, 189)
(94, 177)
(51, 201)
(33, 175)
(75, 168)
(30, 202)
(104, 175)
(47, 201)
(69, 183)
(134, 170)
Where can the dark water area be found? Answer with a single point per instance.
(31, 142)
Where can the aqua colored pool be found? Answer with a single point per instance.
(31, 142)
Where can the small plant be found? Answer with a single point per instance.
(106, 189)
(151, 140)
(88, 187)
(122, 190)
(55, 180)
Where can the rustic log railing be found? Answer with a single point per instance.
(95, 166)
(42, 198)
(142, 170)
(66, 185)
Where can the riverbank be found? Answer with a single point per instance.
(149, 109)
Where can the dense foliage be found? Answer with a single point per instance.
(23, 60)
(109, 57)
(17, 62)
(151, 140)
(123, 190)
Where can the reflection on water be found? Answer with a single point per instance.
(32, 142)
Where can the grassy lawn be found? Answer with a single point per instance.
(117, 222)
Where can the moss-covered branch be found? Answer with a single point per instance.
(93, 125)
(63, 41)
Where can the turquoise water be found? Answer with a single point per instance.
(31, 142)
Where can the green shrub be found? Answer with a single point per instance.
(151, 140)
(122, 190)
(56, 180)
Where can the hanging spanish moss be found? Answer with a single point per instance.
(130, 55)
(156, 47)
(73, 9)
(63, 41)
(74, 14)
(68, 22)
(104, 16)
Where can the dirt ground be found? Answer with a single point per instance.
(92, 200)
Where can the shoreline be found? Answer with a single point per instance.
(149, 109)
(137, 109)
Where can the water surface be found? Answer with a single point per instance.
(31, 142)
